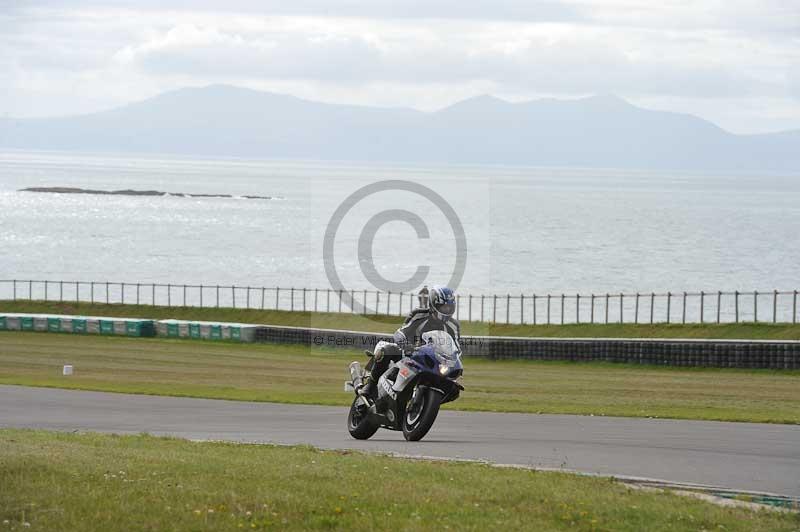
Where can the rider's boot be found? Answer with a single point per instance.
(375, 369)
(368, 388)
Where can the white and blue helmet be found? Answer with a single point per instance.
(441, 302)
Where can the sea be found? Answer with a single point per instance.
(486, 230)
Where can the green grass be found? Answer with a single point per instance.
(297, 374)
(91, 482)
(383, 323)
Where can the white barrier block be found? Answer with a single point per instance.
(67, 370)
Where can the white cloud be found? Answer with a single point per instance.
(674, 55)
(552, 58)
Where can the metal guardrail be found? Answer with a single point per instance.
(671, 307)
(772, 354)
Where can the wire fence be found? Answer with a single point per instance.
(671, 307)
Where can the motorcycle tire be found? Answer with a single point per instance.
(418, 421)
(360, 426)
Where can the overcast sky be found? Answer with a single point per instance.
(734, 62)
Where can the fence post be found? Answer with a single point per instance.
(91, 291)
(494, 309)
(400, 309)
(77, 292)
(562, 309)
(263, 296)
(291, 296)
(794, 307)
(30, 290)
(169, 295)
(774, 306)
(122, 292)
(548, 309)
(327, 300)
(719, 302)
(201, 298)
(577, 308)
(636, 310)
(45, 290)
(248, 298)
(61, 292)
(304, 299)
(608, 298)
(340, 300)
(277, 297)
(14, 282)
(652, 305)
(522, 309)
(621, 305)
(389, 304)
(138, 287)
(702, 306)
(534, 309)
(508, 307)
(316, 298)
(470, 307)
(683, 314)
(377, 300)
(736, 305)
(669, 304)
(482, 298)
(152, 295)
(184, 296)
(591, 312)
(233, 295)
(755, 306)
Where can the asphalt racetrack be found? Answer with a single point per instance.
(738, 456)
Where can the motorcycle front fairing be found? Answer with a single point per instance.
(437, 371)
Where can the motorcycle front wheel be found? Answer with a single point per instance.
(359, 424)
(420, 413)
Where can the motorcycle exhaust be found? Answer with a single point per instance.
(355, 373)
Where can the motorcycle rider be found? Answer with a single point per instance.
(438, 306)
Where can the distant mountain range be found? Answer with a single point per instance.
(600, 131)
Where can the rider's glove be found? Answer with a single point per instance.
(382, 347)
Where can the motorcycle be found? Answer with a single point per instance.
(408, 394)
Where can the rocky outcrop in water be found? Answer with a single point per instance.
(129, 192)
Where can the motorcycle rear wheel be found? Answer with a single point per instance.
(359, 424)
(418, 419)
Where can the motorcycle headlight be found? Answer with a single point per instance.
(443, 369)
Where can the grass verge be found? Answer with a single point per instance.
(387, 324)
(297, 374)
(92, 482)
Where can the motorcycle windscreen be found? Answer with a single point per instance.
(443, 344)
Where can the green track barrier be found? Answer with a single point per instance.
(128, 327)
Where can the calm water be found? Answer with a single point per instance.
(527, 230)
